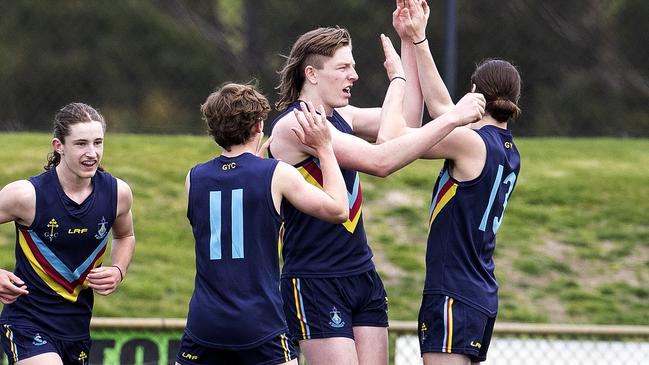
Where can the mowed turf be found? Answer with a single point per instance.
(573, 248)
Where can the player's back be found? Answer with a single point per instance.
(464, 219)
(236, 302)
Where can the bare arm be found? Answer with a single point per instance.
(354, 153)
(413, 105)
(17, 203)
(331, 203)
(433, 88)
(104, 280)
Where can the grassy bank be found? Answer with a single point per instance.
(574, 246)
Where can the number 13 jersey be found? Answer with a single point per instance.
(463, 220)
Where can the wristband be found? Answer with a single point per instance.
(121, 274)
(398, 77)
(421, 41)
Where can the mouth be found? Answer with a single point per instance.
(89, 163)
(348, 91)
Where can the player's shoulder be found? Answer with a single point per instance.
(19, 190)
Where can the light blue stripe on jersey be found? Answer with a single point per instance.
(237, 224)
(215, 225)
(59, 266)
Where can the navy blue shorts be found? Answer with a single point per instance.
(20, 343)
(450, 326)
(331, 307)
(277, 350)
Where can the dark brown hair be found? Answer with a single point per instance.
(500, 83)
(231, 111)
(70, 114)
(310, 49)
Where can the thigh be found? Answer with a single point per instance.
(28, 346)
(371, 345)
(316, 308)
(449, 326)
(328, 351)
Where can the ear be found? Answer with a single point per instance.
(57, 146)
(311, 74)
(258, 127)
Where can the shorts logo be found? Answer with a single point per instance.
(102, 229)
(476, 344)
(82, 356)
(422, 332)
(336, 321)
(189, 356)
(38, 340)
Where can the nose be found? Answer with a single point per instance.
(353, 76)
(91, 151)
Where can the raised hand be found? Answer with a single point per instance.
(470, 108)
(314, 131)
(414, 18)
(11, 287)
(392, 63)
(399, 19)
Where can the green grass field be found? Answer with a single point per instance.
(574, 246)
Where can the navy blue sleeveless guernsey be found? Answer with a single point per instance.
(464, 218)
(315, 248)
(57, 251)
(236, 302)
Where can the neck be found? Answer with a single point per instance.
(312, 95)
(70, 182)
(488, 120)
(240, 149)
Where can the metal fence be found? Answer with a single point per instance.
(547, 344)
(155, 341)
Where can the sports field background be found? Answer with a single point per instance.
(574, 247)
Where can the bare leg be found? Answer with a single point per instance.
(439, 358)
(329, 351)
(48, 358)
(371, 345)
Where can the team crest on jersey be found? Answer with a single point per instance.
(102, 229)
(52, 224)
(336, 320)
(38, 340)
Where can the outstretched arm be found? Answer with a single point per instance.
(105, 280)
(330, 204)
(415, 18)
(413, 105)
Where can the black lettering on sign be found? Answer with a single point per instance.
(172, 350)
(98, 348)
(149, 349)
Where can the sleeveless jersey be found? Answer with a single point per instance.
(315, 248)
(236, 302)
(463, 221)
(57, 251)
